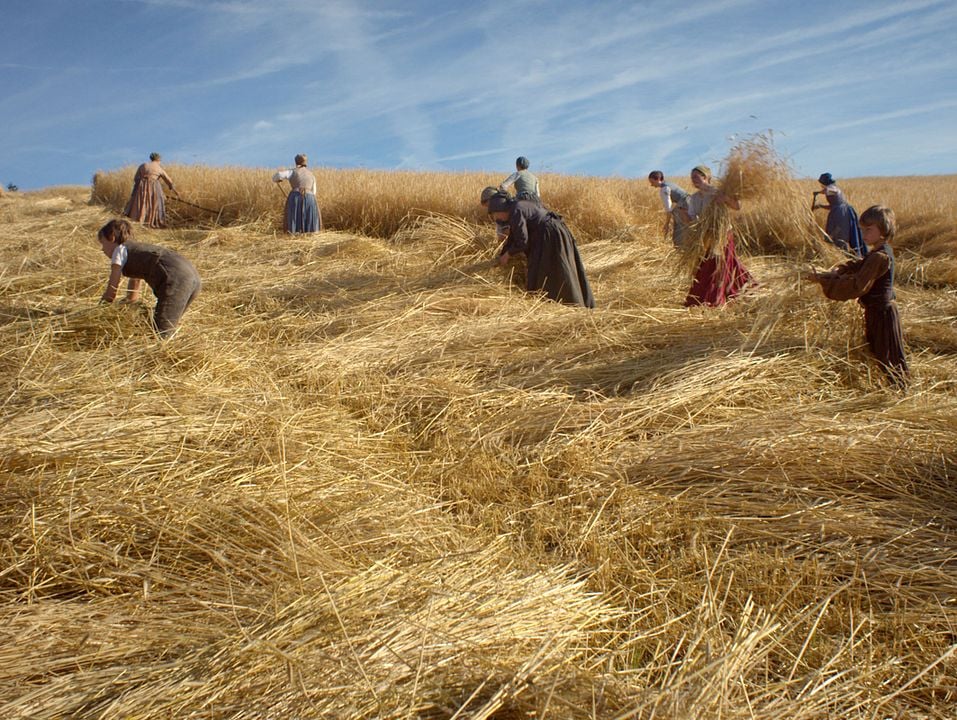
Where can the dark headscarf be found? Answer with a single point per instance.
(826, 179)
(500, 202)
(522, 162)
(489, 192)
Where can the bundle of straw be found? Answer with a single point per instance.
(707, 236)
(753, 166)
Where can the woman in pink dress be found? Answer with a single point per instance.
(147, 203)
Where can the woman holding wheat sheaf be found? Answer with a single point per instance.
(302, 212)
(147, 204)
(719, 275)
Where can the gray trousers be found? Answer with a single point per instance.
(174, 295)
(678, 228)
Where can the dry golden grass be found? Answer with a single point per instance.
(378, 203)
(369, 478)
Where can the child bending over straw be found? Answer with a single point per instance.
(871, 281)
(172, 278)
(709, 248)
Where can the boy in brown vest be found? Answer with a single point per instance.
(871, 281)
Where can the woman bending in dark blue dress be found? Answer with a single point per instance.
(554, 265)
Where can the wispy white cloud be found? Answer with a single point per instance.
(883, 117)
(489, 152)
(567, 105)
(597, 87)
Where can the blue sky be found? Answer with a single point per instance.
(863, 87)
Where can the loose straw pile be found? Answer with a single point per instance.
(370, 479)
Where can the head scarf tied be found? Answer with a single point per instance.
(499, 203)
(826, 179)
(489, 192)
(703, 170)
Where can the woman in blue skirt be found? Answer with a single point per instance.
(302, 211)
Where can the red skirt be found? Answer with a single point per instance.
(715, 283)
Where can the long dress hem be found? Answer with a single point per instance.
(714, 284)
(302, 213)
(147, 204)
(555, 266)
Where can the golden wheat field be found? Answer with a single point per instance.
(371, 477)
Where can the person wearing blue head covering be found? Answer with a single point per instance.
(842, 224)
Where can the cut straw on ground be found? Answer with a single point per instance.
(371, 477)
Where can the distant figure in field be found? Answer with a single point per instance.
(302, 212)
(871, 281)
(842, 225)
(526, 184)
(717, 279)
(673, 198)
(554, 265)
(147, 204)
(173, 279)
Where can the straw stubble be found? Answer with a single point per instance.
(371, 478)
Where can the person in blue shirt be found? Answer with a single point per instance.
(842, 223)
(673, 199)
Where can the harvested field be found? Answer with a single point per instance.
(372, 478)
